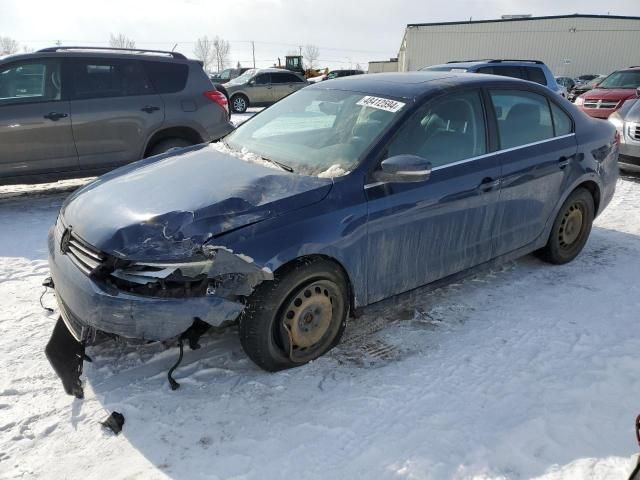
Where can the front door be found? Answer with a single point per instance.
(421, 231)
(35, 121)
(114, 109)
(537, 152)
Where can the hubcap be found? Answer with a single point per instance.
(571, 226)
(308, 315)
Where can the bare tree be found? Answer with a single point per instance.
(8, 46)
(204, 52)
(311, 55)
(221, 49)
(121, 41)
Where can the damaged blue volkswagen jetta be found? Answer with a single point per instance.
(341, 195)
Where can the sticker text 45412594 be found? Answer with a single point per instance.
(381, 103)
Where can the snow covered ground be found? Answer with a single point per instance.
(526, 371)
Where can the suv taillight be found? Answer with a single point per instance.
(219, 98)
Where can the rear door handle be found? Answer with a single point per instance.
(563, 162)
(55, 116)
(150, 108)
(489, 184)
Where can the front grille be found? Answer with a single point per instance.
(80, 330)
(634, 132)
(607, 104)
(85, 256)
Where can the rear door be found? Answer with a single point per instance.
(35, 121)
(537, 152)
(285, 83)
(114, 109)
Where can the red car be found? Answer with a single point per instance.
(611, 93)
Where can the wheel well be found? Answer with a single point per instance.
(184, 133)
(310, 258)
(594, 190)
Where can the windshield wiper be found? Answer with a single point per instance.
(283, 166)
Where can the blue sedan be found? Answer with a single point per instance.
(341, 195)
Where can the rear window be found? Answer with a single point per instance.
(167, 77)
(536, 74)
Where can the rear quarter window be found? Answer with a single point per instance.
(536, 74)
(167, 77)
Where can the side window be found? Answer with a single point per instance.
(486, 70)
(561, 121)
(523, 117)
(263, 79)
(284, 78)
(167, 77)
(509, 71)
(109, 78)
(535, 74)
(444, 131)
(30, 82)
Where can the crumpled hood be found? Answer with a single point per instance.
(609, 93)
(167, 207)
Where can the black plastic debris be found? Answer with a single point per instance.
(66, 354)
(114, 422)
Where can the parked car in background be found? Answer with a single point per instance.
(610, 93)
(262, 87)
(532, 70)
(341, 195)
(566, 82)
(586, 78)
(226, 75)
(342, 73)
(581, 87)
(81, 111)
(627, 121)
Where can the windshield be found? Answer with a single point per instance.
(244, 78)
(622, 79)
(316, 131)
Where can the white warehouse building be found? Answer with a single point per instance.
(570, 45)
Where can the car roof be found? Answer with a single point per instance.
(84, 53)
(411, 85)
(273, 70)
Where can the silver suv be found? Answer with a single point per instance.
(262, 87)
(70, 112)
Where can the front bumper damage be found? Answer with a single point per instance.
(138, 301)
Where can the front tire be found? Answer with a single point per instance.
(239, 103)
(297, 317)
(571, 228)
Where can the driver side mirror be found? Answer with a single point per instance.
(251, 83)
(404, 169)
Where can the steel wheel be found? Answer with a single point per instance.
(308, 318)
(571, 225)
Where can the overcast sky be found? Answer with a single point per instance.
(346, 31)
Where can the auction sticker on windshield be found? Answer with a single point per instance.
(381, 103)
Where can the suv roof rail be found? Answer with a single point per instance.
(114, 49)
(468, 61)
(539, 62)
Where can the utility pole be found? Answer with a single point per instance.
(253, 51)
(300, 48)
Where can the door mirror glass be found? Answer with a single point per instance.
(404, 168)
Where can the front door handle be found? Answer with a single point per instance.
(489, 184)
(150, 108)
(55, 116)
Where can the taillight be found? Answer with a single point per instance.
(219, 98)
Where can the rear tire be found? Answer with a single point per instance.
(297, 317)
(167, 144)
(571, 228)
(239, 103)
